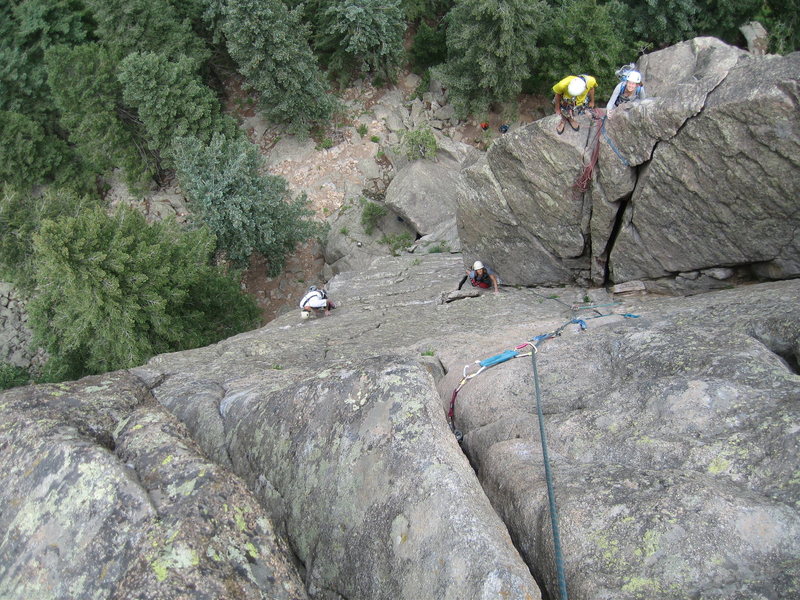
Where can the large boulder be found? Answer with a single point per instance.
(348, 247)
(723, 192)
(106, 496)
(701, 175)
(425, 193)
(673, 440)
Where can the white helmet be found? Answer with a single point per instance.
(635, 77)
(477, 265)
(576, 87)
(304, 314)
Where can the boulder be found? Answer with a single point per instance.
(723, 192)
(425, 193)
(348, 247)
(702, 174)
(106, 496)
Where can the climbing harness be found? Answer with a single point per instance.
(517, 352)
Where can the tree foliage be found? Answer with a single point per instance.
(365, 35)
(491, 47)
(270, 45)
(21, 214)
(113, 291)
(88, 96)
(420, 10)
(29, 29)
(127, 26)
(584, 36)
(429, 47)
(248, 212)
(29, 155)
(171, 100)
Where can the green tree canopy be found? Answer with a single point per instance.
(21, 214)
(365, 35)
(270, 46)
(491, 46)
(106, 134)
(248, 212)
(171, 100)
(584, 36)
(29, 28)
(112, 291)
(127, 26)
(29, 155)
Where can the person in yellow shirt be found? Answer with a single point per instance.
(571, 92)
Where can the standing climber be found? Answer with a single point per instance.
(631, 88)
(317, 300)
(480, 276)
(573, 92)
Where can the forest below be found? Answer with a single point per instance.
(92, 90)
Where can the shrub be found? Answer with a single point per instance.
(397, 242)
(420, 143)
(370, 215)
(12, 376)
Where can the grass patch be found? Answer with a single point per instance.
(396, 242)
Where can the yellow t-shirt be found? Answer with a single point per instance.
(561, 88)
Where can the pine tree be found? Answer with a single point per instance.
(584, 36)
(248, 212)
(112, 291)
(30, 156)
(127, 26)
(170, 100)
(491, 46)
(270, 46)
(364, 34)
(21, 214)
(88, 96)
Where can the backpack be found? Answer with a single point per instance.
(622, 72)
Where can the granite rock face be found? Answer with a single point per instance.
(671, 422)
(702, 174)
(106, 496)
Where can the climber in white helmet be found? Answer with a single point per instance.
(573, 92)
(630, 88)
(316, 300)
(480, 276)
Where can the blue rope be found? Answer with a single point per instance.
(551, 495)
(498, 358)
(610, 143)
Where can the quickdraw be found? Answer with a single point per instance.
(507, 355)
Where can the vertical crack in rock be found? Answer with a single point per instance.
(605, 258)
